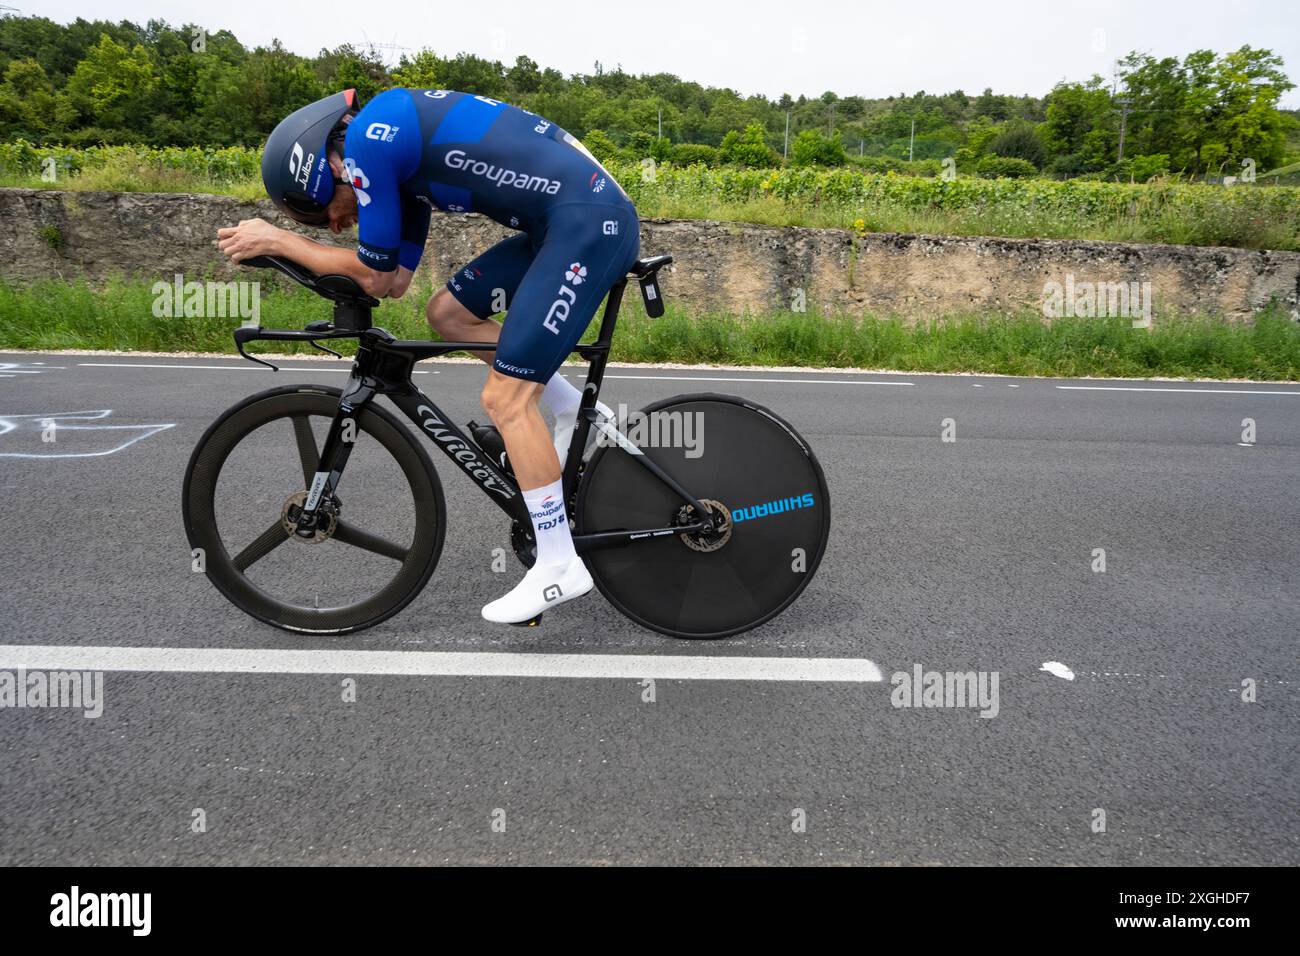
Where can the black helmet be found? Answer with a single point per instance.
(295, 168)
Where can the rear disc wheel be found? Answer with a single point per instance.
(766, 493)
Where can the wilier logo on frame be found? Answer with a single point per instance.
(76, 690)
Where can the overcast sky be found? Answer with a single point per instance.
(867, 48)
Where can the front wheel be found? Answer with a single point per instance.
(742, 462)
(379, 536)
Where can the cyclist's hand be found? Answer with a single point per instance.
(252, 237)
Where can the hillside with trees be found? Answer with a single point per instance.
(95, 82)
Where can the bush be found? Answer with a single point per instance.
(811, 148)
(877, 164)
(1143, 168)
(684, 154)
(1068, 166)
(1020, 142)
(601, 146)
(1005, 167)
(748, 149)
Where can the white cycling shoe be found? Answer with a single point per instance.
(543, 587)
(565, 422)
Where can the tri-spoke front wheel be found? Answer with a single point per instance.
(376, 541)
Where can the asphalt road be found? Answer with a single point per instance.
(973, 555)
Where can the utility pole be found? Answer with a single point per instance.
(785, 150)
(911, 140)
(1123, 111)
(661, 122)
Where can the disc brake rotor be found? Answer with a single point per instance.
(699, 541)
(326, 519)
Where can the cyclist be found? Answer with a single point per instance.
(411, 150)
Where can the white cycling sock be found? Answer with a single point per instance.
(550, 524)
(559, 395)
(557, 576)
(565, 422)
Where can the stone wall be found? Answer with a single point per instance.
(734, 267)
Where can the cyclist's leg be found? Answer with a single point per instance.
(553, 309)
(459, 312)
(588, 247)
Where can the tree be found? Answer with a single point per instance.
(600, 145)
(811, 148)
(27, 100)
(1020, 141)
(748, 148)
(111, 86)
(979, 134)
(473, 74)
(419, 72)
(524, 76)
(1207, 110)
(274, 83)
(1081, 123)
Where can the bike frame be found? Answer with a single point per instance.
(383, 366)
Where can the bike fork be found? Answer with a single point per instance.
(334, 457)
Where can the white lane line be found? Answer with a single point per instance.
(776, 381)
(222, 368)
(434, 663)
(1194, 391)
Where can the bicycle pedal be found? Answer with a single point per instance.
(533, 623)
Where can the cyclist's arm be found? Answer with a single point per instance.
(339, 260)
(379, 159)
(415, 232)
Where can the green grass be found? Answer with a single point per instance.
(51, 315)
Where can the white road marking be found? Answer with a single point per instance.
(1057, 669)
(192, 660)
(224, 368)
(57, 419)
(12, 369)
(775, 381)
(1194, 391)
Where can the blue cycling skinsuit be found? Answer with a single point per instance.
(408, 151)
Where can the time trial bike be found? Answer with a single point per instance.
(706, 518)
